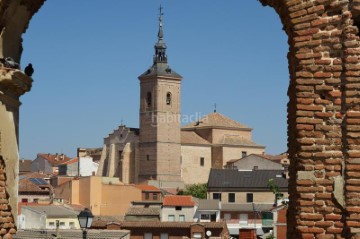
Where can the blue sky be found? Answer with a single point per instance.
(87, 56)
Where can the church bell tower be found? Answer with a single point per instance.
(159, 145)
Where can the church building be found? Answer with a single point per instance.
(161, 149)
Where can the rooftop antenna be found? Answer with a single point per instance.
(215, 108)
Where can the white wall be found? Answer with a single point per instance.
(31, 219)
(87, 166)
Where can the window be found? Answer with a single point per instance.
(217, 196)
(171, 218)
(147, 196)
(36, 200)
(72, 225)
(51, 224)
(120, 154)
(227, 216)
(168, 98)
(147, 235)
(62, 225)
(256, 168)
(164, 236)
(148, 99)
(182, 218)
(147, 157)
(205, 217)
(178, 208)
(155, 196)
(197, 235)
(202, 161)
(249, 197)
(24, 200)
(243, 154)
(231, 197)
(243, 219)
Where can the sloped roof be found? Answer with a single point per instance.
(70, 234)
(178, 200)
(238, 140)
(26, 184)
(189, 137)
(216, 120)
(71, 161)
(209, 204)
(154, 224)
(54, 211)
(160, 69)
(143, 211)
(55, 159)
(144, 187)
(25, 165)
(245, 180)
(272, 158)
(276, 158)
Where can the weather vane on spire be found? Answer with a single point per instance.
(160, 14)
(160, 33)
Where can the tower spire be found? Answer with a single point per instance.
(160, 47)
(160, 33)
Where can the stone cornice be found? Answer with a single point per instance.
(14, 82)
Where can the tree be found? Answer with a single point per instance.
(196, 190)
(274, 189)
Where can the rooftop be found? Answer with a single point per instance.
(154, 224)
(189, 137)
(209, 204)
(216, 120)
(53, 211)
(245, 180)
(178, 200)
(70, 234)
(55, 159)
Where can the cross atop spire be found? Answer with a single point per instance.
(160, 47)
(160, 33)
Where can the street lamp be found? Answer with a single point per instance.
(85, 220)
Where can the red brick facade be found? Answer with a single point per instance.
(323, 113)
(6, 219)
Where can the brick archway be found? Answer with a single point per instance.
(323, 110)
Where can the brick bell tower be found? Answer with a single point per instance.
(159, 146)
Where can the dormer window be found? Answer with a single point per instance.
(148, 99)
(168, 98)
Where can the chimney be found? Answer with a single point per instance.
(56, 156)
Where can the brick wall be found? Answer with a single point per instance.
(323, 117)
(323, 111)
(6, 219)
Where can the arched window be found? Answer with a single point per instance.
(168, 98)
(148, 99)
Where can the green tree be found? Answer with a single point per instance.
(196, 190)
(275, 190)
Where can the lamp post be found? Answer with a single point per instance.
(85, 220)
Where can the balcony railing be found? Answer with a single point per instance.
(267, 222)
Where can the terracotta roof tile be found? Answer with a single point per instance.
(27, 185)
(155, 224)
(216, 120)
(73, 160)
(189, 137)
(55, 159)
(178, 200)
(138, 210)
(25, 165)
(238, 140)
(273, 157)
